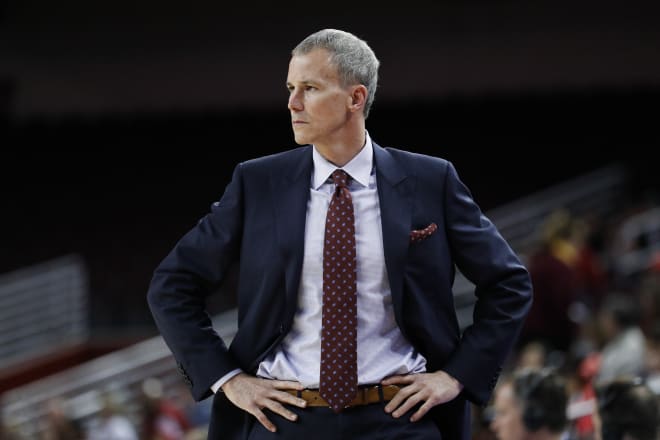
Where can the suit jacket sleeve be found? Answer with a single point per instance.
(182, 281)
(503, 292)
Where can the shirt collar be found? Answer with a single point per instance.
(359, 168)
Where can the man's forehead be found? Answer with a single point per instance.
(311, 69)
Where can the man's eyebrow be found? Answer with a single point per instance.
(304, 82)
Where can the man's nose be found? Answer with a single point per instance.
(295, 103)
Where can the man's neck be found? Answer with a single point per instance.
(340, 151)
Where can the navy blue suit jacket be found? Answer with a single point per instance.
(260, 222)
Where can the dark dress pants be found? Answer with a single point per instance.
(368, 422)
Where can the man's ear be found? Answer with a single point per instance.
(358, 97)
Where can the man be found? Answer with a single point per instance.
(627, 410)
(531, 405)
(624, 349)
(335, 235)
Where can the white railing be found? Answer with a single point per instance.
(42, 309)
(120, 373)
(596, 193)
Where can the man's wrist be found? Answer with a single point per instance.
(458, 383)
(217, 386)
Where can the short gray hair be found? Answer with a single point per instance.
(355, 61)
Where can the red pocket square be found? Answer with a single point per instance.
(420, 234)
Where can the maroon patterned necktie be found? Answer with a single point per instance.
(338, 380)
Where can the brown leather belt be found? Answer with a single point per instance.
(365, 395)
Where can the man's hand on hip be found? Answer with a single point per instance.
(430, 388)
(253, 394)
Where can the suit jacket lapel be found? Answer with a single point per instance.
(395, 198)
(291, 187)
(291, 192)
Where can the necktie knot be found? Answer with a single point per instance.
(340, 178)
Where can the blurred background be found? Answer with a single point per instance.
(121, 122)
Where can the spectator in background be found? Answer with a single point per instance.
(627, 410)
(60, 426)
(649, 297)
(161, 418)
(111, 424)
(555, 284)
(582, 396)
(652, 360)
(533, 355)
(530, 405)
(590, 269)
(635, 246)
(623, 352)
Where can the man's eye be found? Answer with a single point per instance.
(308, 88)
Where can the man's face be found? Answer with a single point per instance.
(507, 424)
(318, 103)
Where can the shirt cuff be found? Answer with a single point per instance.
(224, 379)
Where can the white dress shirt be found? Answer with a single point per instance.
(382, 349)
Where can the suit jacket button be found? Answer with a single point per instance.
(281, 328)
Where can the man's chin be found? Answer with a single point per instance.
(301, 140)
